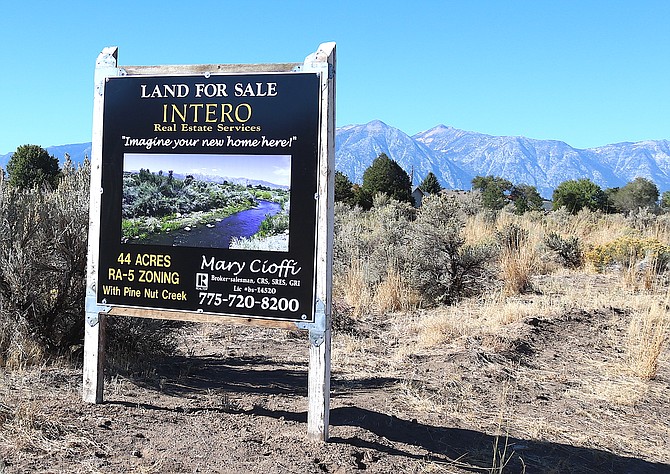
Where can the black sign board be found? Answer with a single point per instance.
(209, 194)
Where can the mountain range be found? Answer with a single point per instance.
(456, 156)
(215, 178)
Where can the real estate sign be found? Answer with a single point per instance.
(209, 188)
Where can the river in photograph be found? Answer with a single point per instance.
(242, 224)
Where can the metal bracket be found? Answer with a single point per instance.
(93, 310)
(317, 329)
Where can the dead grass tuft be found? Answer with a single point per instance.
(436, 328)
(518, 258)
(647, 336)
(643, 275)
(27, 432)
(517, 268)
(393, 294)
(355, 289)
(22, 352)
(502, 453)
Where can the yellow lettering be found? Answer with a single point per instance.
(196, 108)
(237, 110)
(225, 112)
(210, 114)
(171, 295)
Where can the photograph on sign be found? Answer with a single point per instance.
(204, 200)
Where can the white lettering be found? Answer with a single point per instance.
(221, 265)
(282, 270)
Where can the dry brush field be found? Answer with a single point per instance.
(540, 346)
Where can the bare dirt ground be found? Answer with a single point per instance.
(545, 393)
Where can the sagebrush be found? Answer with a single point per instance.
(43, 249)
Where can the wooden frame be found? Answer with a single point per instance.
(321, 62)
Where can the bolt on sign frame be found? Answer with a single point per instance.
(260, 138)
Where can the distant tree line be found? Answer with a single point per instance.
(386, 176)
(576, 195)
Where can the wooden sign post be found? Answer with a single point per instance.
(246, 120)
(318, 414)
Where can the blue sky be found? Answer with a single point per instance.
(585, 72)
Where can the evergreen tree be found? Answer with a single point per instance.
(525, 198)
(344, 189)
(493, 190)
(430, 184)
(665, 201)
(610, 193)
(576, 195)
(361, 199)
(386, 176)
(639, 193)
(31, 166)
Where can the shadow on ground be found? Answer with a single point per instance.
(252, 375)
(467, 449)
(472, 450)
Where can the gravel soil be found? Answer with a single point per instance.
(542, 394)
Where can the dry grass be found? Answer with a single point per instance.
(394, 294)
(517, 267)
(28, 432)
(355, 289)
(444, 325)
(601, 390)
(487, 315)
(22, 352)
(643, 275)
(478, 229)
(435, 329)
(457, 364)
(647, 335)
(367, 289)
(502, 453)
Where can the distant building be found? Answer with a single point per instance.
(418, 195)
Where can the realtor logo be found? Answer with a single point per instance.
(201, 281)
